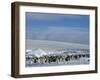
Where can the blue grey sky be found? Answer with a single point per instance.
(57, 27)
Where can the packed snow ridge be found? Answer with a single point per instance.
(53, 45)
(37, 52)
(40, 48)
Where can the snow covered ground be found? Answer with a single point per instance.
(77, 54)
(44, 44)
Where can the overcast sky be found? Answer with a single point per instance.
(57, 27)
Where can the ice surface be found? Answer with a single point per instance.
(43, 44)
(41, 48)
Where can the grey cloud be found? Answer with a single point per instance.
(65, 34)
(50, 16)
